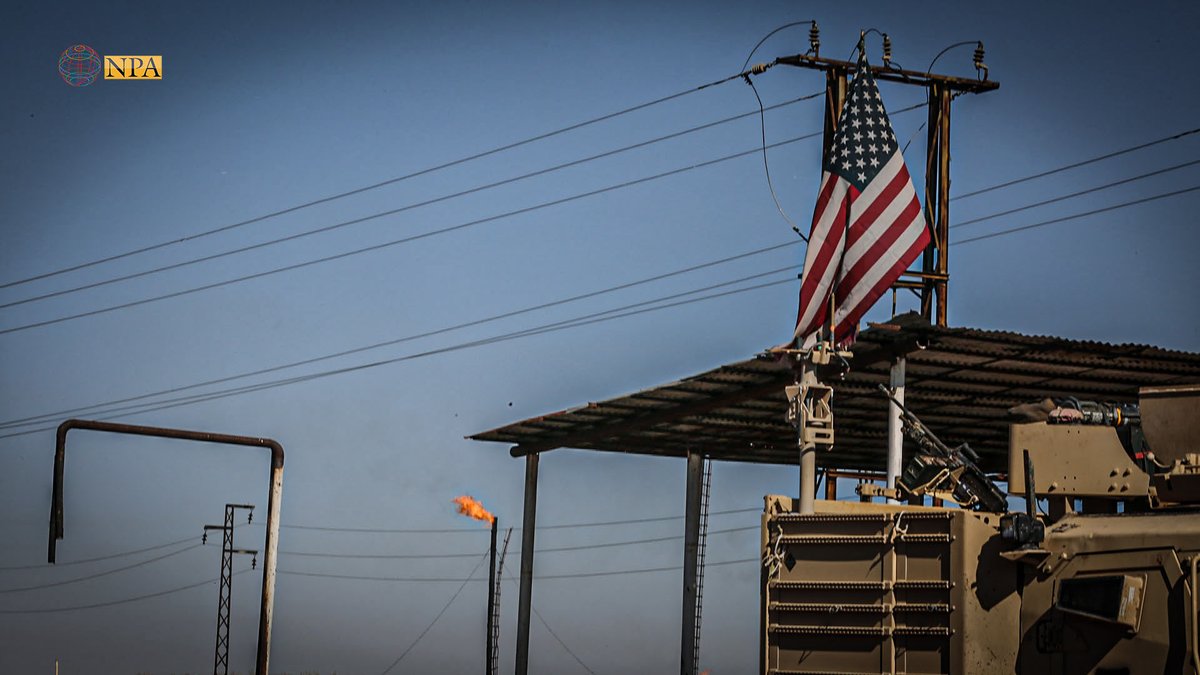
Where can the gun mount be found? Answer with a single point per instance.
(941, 470)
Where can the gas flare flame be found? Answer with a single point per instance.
(469, 506)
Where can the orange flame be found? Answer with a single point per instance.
(469, 506)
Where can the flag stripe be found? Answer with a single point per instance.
(865, 180)
(883, 265)
(883, 244)
(884, 280)
(818, 268)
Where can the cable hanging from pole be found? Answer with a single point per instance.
(373, 186)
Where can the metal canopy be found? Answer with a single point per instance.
(960, 381)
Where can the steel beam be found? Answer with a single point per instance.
(691, 548)
(895, 457)
(528, 525)
(642, 422)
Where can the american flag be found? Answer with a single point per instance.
(868, 226)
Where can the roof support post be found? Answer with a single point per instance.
(691, 547)
(528, 525)
(808, 448)
(895, 435)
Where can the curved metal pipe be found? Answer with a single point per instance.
(275, 495)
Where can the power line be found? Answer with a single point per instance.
(409, 338)
(27, 420)
(477, 530)
(439, 615)
(1110, 155)
(136, 598)
(529, 209)
(551, 327)
(390, 181)
(562, 325)
(557, 639)
(403, 240)
(577, 322)
(390, 212)
(551, 631)
(1076, 194)
(97, 575)
(575, 575)
(122, 554)
(645, 570)
(1093, 212)
(157, 547)
(559, 549)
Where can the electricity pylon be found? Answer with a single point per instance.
(225, 597)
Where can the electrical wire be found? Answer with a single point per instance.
(767, 167)
(645, 570)
(808, 22)
(404, 240)
(539, 577)
(586, 320)
(390, 181)
(122, 554)
(941, 53)
(550, 630)
(407, 207)
(1093, 212)
(436, 618)
(1093, 160)
(477, 530)
(495, 317)
(574, 323)
(559, 640)
(89, 577)
(257, 387)
(419, 531)
(559, 549)
(1076, 194)
(136, 598)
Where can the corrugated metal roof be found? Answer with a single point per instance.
(960, 381)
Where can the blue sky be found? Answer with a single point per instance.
(264, 106)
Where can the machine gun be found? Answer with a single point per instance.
(939, 468)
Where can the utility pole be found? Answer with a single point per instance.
(225, 594)
(931, 283)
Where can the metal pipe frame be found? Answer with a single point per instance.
(275, 487)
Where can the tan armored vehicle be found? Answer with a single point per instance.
(1099, 578)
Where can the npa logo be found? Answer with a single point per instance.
(80, 65)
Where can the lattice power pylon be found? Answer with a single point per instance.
(225, 597)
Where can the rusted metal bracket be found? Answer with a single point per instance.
(275, 488)
(891, 74)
